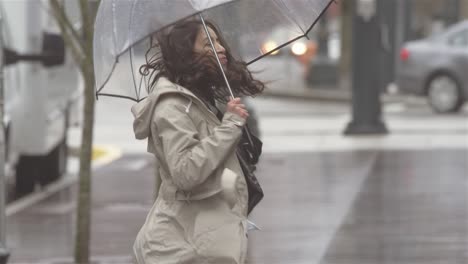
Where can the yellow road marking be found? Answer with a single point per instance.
(105, 154)
(98, 152)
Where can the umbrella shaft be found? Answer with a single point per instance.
(216, 55)
(222, 70)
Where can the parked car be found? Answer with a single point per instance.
(437, 67)
(43, 95)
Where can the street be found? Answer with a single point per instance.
(329, 198)
(363, 120)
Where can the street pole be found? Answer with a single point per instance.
(408, 20)
(452, 13)
(463, 9)
(323, 36)
(4, 254)
(400, 29)
(366, 67)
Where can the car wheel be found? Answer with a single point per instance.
(444, 94)
(54, 164)
(27, 170)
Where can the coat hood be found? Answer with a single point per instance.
(144, 110)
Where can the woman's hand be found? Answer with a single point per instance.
(236, 107)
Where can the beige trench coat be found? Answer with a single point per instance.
(201, 210)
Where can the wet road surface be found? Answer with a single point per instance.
(376, 207)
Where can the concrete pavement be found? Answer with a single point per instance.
(348, 207)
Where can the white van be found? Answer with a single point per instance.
(42, 89)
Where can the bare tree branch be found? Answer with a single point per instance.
(77, 53)
(70, 35)
(59, 10)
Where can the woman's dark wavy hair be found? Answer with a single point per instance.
(171, 55)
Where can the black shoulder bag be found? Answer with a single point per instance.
(248, 153)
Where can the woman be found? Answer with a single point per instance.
(200, 213)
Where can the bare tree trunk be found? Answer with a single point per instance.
(83, 234)
(81, 45)
(83, 217)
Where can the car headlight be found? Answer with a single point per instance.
(299, 48)
(269, 46)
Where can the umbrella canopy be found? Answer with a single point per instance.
(123, 27)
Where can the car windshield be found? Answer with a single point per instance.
(452, 32)
(436, 36)
(447, 34)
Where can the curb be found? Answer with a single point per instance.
(102, 155)
(340, 96)
(343, 97)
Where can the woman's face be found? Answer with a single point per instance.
(203, 46)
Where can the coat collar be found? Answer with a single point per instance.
(144, 110)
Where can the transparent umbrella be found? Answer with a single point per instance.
(123, 28)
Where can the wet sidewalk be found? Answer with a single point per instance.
(364, 207)
(122, 194)
(376, 207)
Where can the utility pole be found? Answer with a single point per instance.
(452, 12)
(4, 254)
(464, 9)
(366, 70)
